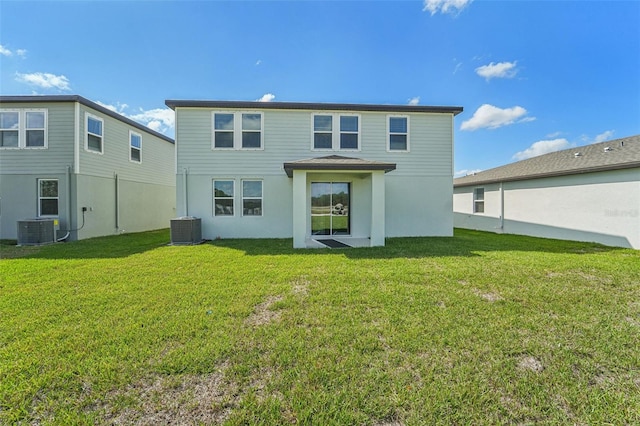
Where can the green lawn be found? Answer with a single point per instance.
(475, 329)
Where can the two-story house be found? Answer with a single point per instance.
(316, 172)
(94, 171)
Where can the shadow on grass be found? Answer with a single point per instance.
(464, 243)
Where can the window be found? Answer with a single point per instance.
(252, 198)
(345, 137)
(135, 147)
(94, 141)
(478, 200)
(23, 129)
(237, 130)
(223, 196)
(47, 197)
(398, 134)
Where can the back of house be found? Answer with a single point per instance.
(91, 171)
(314, 171)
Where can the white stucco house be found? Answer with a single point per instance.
(68, 160)
(316, 172)
(588, 193)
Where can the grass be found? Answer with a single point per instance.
(475, 329)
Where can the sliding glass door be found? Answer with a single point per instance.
(330, 204)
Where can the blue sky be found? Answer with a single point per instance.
(532, 76)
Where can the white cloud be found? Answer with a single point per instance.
(21, 52)
(445, 6)
(4, 51)
(491, 117)
(119, 108)
(604, 136)
(267, 97)
(542, 147)
(465, 172)
(44, 80)
(258, 62)
(159, 119)
(499, 70)
(414, 101)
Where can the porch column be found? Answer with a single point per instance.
(299, 208)
(377, 208)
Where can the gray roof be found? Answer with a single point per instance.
(336, 162)
(173, 104)
(85, 102)
(616, 154)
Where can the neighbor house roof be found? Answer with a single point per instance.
(336, 162)
(85, 102)
(173, 104)
(616, 154)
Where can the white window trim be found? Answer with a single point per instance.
(86, 133)
(131, 147)
(475, 200)
(48, 198)
(213, 194)
(237, 131)
(335, 131)
(22, 127)
(389, 117)
(261, 198)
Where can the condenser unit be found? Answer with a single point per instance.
(35, 232)
(186, 230)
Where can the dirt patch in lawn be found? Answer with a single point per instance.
(263, 314)
(488, 296)
(530, 363)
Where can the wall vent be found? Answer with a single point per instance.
(186, 230)
(35, 232)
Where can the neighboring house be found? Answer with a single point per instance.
(311, 171)
(95, 171)
(588, 193)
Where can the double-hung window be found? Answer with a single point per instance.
(478, 200)
(336, 132)
(252, 198)
(135, 147)
(23, 128)
(398, 138)
(223, 197)
(94, 141)
(48, 197)
(239, 130)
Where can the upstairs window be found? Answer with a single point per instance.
(252, 198)
(48, 197)
(223, 196)
(237, 130)
(135, 147)
(23, 128)
(478, 200)
(336, 132)
(398, 139)
(94, 137)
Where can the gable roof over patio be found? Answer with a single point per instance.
(337, 162)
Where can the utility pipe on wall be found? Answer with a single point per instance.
(117, 183)
(184, 192)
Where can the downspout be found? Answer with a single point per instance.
(501, 206)
(117, 203)
(68, 206)
(185, 206)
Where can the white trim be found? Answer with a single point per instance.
(48, 198)
(86, 133)
(23, 129)
(336, 132)
(131, 147)
(213, 196)
(261, 198)
(388, 133)
(76, 140)
(477, 200)
(237, 131)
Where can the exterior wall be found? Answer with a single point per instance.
(418, 193)
(601, 207)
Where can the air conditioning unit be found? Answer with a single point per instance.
(35, 232)
(186, 230)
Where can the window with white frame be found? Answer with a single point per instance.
(23, 128)
(252, 198)
(94, 134)
(398, 138)
(223, 197)
(237, 130)
(135, 147)
(343, 136)
(478, 200)
(48, 197)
